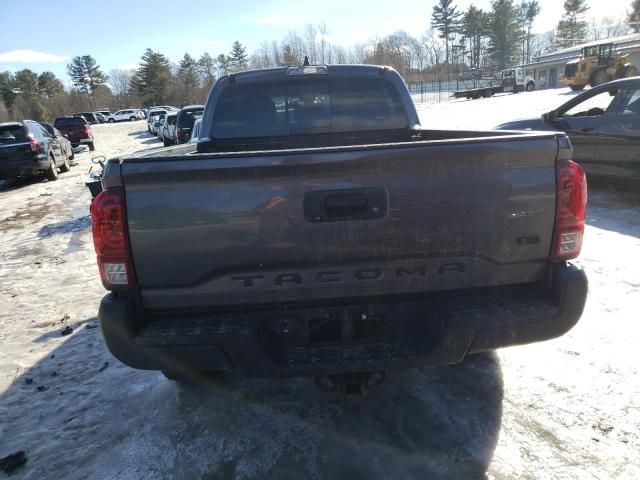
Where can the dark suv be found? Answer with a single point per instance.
(186, 118)
(89, 117)
(77, 130)
(26, 148)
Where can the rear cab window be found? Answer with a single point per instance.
(70, 122)
(308, 106)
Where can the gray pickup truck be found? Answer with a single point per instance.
(316, 229)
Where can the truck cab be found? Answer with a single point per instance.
(517, 79)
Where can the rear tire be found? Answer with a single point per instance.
(65, 166)
(52, 173)
(530, 87)
(577, 88)
(132, 119)
(111, 120)
(598, 78)
(92, 147)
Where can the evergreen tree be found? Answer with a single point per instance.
(187, 70)
(152, 79)
(86, 74)
(504, 33)
(529, 10)
(8, 89)
(223, 63)
(49, 85)
(26, 81)
(238, 58)
(206, 70)
(474, 28)
(633, 17)
(572, 28)
(446, 19)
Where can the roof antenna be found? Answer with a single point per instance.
(306, 61)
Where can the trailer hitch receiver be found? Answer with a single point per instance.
(348, 384)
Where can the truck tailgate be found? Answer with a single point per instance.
(317, 224)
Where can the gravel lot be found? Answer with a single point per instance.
(567, 408)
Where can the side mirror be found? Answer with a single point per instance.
(546, 117)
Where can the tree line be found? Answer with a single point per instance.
(455, 39)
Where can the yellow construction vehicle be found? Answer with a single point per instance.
(597, 64)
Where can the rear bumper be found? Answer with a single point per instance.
(24, 166)
(80, 141)
(339, 338)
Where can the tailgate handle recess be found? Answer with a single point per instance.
(352, 204)
(346, 205)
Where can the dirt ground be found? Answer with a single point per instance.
(567, 408)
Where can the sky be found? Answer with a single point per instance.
(117, 32)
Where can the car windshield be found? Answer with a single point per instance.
(12, 134)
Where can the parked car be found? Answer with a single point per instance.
(101, 118)
(603, 124)
(104, 113)
(90, 117)
(67, 148)
(157, 124)
(186, 117)
(27, 148)
(141, 114)
(77, 130)
(153, 117)
(168, 130)
(124, 115)
(320, 231)
(195, 131)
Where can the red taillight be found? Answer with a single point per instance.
(86, 131)
(110, 240)
(179, 133)
(571, 211)
(33, 143)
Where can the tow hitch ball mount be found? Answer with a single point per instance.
(346, 384)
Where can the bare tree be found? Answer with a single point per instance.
(339, 54)
(323, 42)
(310, 38)
(120, 85)
(607, 27)
(542, 43)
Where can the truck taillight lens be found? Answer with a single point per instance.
(571, 211)
(86, 131)
(110, 240)
(33, 143)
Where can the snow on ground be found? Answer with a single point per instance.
(487, 113)
(566, 408)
